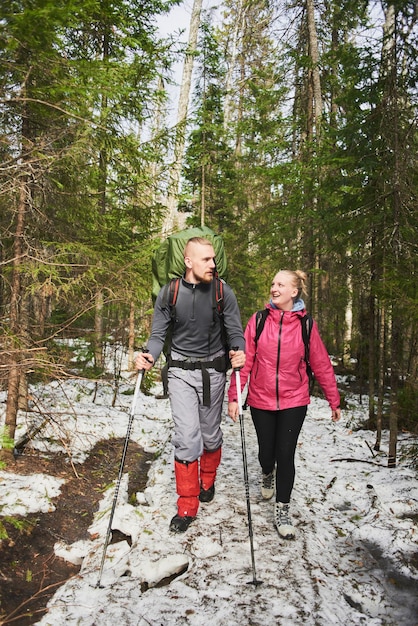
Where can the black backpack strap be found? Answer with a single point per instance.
(260, 320)
(218, 305)
(307, 323)
(170, 298)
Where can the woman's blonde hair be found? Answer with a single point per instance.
(299, 281)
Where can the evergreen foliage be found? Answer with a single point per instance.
(83, 180)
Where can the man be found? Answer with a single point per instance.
(196, 374)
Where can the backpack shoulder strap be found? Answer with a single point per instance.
(260, 320)
(219, 302)
(171, 292)
(307, 323)
(218, 305)
(174, 286)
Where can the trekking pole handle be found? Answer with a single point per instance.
(238, 385)
(144, 350)
(139, 378)
(235, 349)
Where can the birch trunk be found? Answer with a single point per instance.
(348, 331)
(313, 115)
(239, 27)
(314, 55)
(172, 217)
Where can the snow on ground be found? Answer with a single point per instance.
(354, 559)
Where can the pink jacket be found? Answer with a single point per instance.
(276, 373)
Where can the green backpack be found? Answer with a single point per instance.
(167, 268)
(168, 260)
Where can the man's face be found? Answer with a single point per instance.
(200, 262)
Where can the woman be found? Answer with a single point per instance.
(278, 390)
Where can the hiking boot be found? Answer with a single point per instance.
(207, 495)
(267, 485)
(180, 524)
(282, 521)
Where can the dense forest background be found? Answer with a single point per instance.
(296, 138)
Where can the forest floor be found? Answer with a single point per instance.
(353, 562)
(30, 572)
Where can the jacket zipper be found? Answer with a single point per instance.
(193, 301)
(278, 360)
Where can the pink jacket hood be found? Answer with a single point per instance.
(276, 370)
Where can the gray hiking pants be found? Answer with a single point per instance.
(196, 427)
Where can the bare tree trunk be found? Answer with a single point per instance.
(24, 341)
(239, 28)
(102, 208)
(15, 299)
(372, 338)
(394, 386)
(389, 62)
(157, 124)
(131, 336)
(313, 133)
(98, 331)
(314, 55)
(172, 217)
(348, 331)
(380, 379)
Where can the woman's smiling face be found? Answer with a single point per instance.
(283, 291)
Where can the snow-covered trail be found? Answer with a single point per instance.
(350, 518)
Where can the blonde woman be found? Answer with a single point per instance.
(278, 391)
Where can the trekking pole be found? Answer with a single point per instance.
(121, 466)
(254, 581)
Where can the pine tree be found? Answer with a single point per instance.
(80, 81)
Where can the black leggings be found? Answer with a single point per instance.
(277, 434)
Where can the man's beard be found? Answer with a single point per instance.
(206, 278)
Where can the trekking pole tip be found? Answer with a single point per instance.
(98, 585)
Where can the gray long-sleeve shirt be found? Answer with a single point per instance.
(195, 334)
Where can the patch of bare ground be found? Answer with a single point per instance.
(29, 570)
